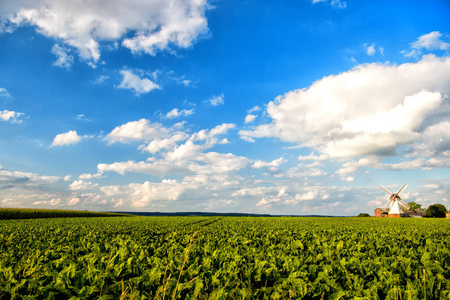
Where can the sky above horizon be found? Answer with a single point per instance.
(298, 107)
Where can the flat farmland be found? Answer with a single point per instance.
(224, 258)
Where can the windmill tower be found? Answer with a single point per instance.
(396, 206)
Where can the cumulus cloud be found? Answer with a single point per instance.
(141, 26)
(188, 160)
(81, 185)
(208, 190)
(304, 171)
(11, 116)
(187, 157)
(272, 166)
(210, 135)
(67, 138)
(217, 100)
(63, 59)
(141, 130)
(342, 115)
(133, 82)
(52, 202)
(250, 118)
(17, 179)
(89, 176)
(175, 113)
(430, 41)
(435, 141)
(169, 143)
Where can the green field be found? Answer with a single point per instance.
(225, 258)
(27, 213)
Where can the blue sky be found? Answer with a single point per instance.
(299, 107)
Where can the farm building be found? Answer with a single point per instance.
(381, 212)
(447, 214)
(384, 212)
(418, 213)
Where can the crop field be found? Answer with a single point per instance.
(20, 213)
(225, 258)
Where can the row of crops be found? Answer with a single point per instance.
(225, 258)
(28, 213)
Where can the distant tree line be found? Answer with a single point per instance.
(433, 211)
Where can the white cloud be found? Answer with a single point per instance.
(250, 118)
(310, 195)
(48, 202)
(314, 157)
(208, 190)
(74, 201)
(13, 179)
(89, 176)
(158, 144)
(302, 171)
(341, 115)
(67, 138)
(338, 4)
(175, 113)
(132, 81)
(150, 193)
(4, 93)
(418, 163)
(11, 116)
(272, 166)
(141, 26)
(81, 185)
(254, 109)
(211, 134)
(247, 138)
(371, 50)
(203, 163)
(141, 130)
(188, 157)
(435, 141)
(430, 41)
(63, 60)
(353, 166)
(334, 3)
(101, 79)
(268, 201)
(255, 191)
(217, 100)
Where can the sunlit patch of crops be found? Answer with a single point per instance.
(27, 213)
(225, 258)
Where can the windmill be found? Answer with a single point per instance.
(396, 205)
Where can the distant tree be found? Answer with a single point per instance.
(413, 206)
(436, 211)
(363, 215)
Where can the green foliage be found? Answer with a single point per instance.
(363, 215)
(436, 211)
(225, 258)
(413, 206)
(26, 213)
